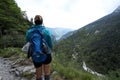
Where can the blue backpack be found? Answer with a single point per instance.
(38, 46)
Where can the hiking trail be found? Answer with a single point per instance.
(5, 70)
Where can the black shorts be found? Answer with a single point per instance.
(47, 61)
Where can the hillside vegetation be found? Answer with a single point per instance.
(12, 24)
(97, 44)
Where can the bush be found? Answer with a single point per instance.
(12, 41)
(8, 52)
(114, 75)
(70, 73)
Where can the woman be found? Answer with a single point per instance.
(44, 65)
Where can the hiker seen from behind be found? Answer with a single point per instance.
(40, 48)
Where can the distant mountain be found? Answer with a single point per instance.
(59, 32)
(97, 43)
(67, 35)
(117, 9)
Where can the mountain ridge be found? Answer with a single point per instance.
(58, 32)
(96, 43)
(117, 9)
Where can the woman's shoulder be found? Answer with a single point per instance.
(46, 30)
(30, 29)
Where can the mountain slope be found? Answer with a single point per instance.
(96, 43)
(59, 32)
(12, 24)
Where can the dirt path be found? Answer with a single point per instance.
(5, 67)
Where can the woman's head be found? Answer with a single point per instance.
(38, 20)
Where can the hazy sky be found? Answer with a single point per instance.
(68, 13)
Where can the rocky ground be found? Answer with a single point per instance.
(14, 70)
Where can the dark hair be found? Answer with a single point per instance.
(38, 20)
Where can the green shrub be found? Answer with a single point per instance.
(70, 73)
(8, 52)
(114, 75)
(12, 41)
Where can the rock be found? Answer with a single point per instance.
(96, 32)
(0, 78)
(7, 72)
(32, 71)
(28, 68)
(22, 69)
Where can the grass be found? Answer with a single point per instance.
(28, 75)
(8, 52)
(59, 72)
(69, 73)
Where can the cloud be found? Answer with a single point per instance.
(68, 13)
